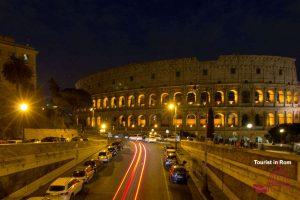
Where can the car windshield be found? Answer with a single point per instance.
(78, 173)
(102, 154)
(56, 188)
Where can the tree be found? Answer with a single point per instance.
(17, 72)
(210, 123)
(286, 133)
(53, 87)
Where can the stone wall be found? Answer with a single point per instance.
(42, 133)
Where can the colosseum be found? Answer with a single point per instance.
(241, 89)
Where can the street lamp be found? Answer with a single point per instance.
(23, 108)
(249, 126)
(173, 106)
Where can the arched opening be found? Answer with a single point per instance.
(258, 96)
(203, 120)
(121, 101)
(219, 120)
(94, 103)
(152, 100)
(131, 101)
(245, 120)
(289, 118)
(280, 118)
(204, 98)
(165, 97)
(153, 121)
(289, 97)
(131, 122)
(271, 119)
(113, 102)
(270, 96)
(296, 98)
(219, 97)
(191, 120)
(191, 98)
(245, 96)
(232, 97)
(141, 121)
(232, 120)
(88, 121)
(98, 121)
(141, 100)
(258, 119)
(280, 97)
(93, 122)
(178, 98)
(98, 103)
(122, 121)
(165, 120)
(105, 102)
(178, 120)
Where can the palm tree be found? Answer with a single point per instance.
(17, 72)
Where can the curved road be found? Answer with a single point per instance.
(137, 172)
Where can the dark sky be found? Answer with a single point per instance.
(76, 38)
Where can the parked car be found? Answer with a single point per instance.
(14, 141)
(152, 139)
(77, 139)
(113, 150)
(84, 173)
(178, 174)
(158, 138)
(170, 159)
(93, 163)
(169, 149)
(50, 139)
(39, 198)
(118, 144)
(104, 156)
(136, 137)
(170, 139)
(3, 141)
(33, 141)
(64, 188)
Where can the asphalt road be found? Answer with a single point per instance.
(137, 172)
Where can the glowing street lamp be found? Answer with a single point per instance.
(281, 130)
(23, 108)
(173, 106)
(249, 126)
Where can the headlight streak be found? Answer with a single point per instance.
(142, 172)
(124, 177)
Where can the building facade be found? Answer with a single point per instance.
(241, 89)
(8, 48)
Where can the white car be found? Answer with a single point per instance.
(104, 156)
(152, 139)
(85, 173)
(136, 137)
(64, 188)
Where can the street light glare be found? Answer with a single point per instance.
(171, 106)
(249, 125)
(23, 107)
(103, 126)
(281, 130)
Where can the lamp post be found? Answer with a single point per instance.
(173, 106)
(281, 131)
(23, 108)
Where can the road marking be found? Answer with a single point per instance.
(142, 172)
(124, 177)
(132, 175)
(166, 184)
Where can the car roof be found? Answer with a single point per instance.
(62, 181)
(81, 168)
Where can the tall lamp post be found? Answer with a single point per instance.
(173, 106)
(23, 108)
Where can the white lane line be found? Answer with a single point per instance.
(166, 184)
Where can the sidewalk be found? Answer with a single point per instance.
(195, 173)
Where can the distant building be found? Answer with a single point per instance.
(241, 89)
(9, 47)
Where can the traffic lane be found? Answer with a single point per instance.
(107, 180)
(156, 184)
(118, 163)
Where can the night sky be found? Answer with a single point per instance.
(76, 38)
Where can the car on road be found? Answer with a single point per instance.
(178, 174)
(158, 138)
(113, 150)
(104, 156)
(77, 139)
(170, 139)
(84, 173)
(93, 163)
(39, 198)
(32, 141)
(3, 141)
(152, 139)
(136, 137)
(169, 149)
(50, 139)
(64, 188)
(14, 141)
(118, 145)
(170, 159)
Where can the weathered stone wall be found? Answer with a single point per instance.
(42, 133)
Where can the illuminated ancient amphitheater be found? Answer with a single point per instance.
(241, 89)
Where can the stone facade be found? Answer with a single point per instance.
(241, 89)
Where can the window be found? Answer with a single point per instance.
(25, 57)
(280, 72)
(204, 72)
(257, 70)
(245, 96)
(131, 78)
(177, 73)
(152, 76)
(232, 70)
